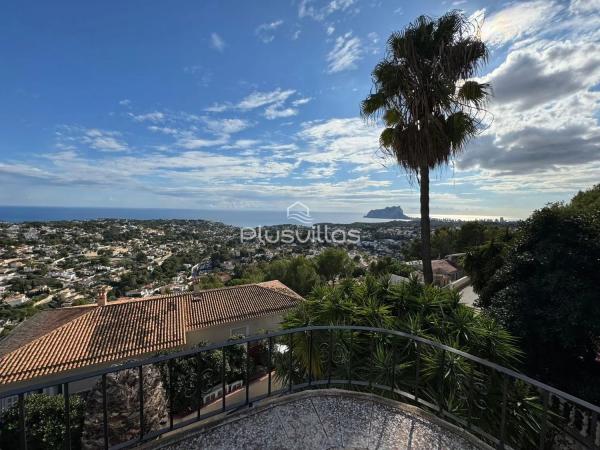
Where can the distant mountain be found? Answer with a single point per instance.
(391, 212)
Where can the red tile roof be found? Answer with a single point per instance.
(443, 267)
(130, 328)
(40, 324)
(231, 304)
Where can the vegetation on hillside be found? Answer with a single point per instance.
(544, 287)
(45, 417)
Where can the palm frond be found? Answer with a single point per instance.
(423, 93)
(474, 92)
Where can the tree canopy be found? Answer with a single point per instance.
(332, 263)
(544, 287)
(587, 201)
(45, 416)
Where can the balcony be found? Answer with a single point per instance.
(328, 418)
(317, 387)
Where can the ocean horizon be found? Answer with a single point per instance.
(239, 218)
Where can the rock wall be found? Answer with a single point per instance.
(122, 390)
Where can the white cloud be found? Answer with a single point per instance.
(275, 111)
(226, 126)
(108, 144)
(106, 141)
(244, 143)
(307, 8)
(584, 6)
(217, 42)
(24, 170)
(125, 102)
(218, 107)
(516, 21)
(545, 73)
(266, 31)
(545, 135)
(191, 143)
(258, 99)
(320, 172)
(341, 141)
(345, 53)
(273, 101)
(330, 30)
(339, 5)
(280, 151)
(155, 116)
(301, 101)
(163, 130)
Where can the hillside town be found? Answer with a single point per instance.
(63, 264)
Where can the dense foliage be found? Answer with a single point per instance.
(389, 265)
(545, 289)
(45, 416)
(447, 240)
(332, 263)
(445, 378)
(299, 273)
(196, 376)
(481, 263)
(587, 201)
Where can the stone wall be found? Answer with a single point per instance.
(122, 390)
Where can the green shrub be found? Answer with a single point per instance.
(45, 419)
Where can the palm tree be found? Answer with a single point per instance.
(428, 104)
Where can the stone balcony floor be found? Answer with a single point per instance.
(327, 419)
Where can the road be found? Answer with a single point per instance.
(468, 296)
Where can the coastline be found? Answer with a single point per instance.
(242, 218)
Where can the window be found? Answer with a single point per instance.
(240, 331)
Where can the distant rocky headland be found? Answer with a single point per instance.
(391, 212)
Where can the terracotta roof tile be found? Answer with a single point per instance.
(280, 287)
(231, 304)
(130, 328)
(103, 334)
(442, 266)
(40, 324)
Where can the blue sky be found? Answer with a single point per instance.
(254, 105)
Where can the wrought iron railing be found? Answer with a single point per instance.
(497, 404)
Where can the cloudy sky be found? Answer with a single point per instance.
(254, 104)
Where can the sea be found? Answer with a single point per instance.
(238, 218)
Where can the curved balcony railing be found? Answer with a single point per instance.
(500, 406)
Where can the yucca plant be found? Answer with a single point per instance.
(452, 382)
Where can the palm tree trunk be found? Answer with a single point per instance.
(425, 226)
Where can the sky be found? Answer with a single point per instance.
(255, 105)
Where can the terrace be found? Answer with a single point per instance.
(315, 387)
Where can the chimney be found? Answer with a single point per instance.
(102, 296)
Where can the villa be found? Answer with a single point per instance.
(71, 340)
